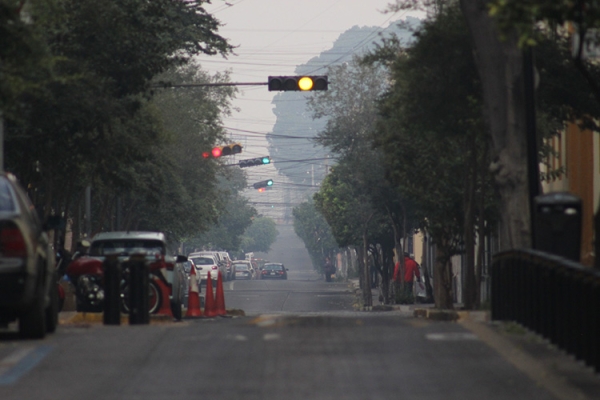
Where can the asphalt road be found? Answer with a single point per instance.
(300, 339)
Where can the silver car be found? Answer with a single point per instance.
(28, 279)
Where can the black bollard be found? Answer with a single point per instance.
(138, 291)
(112, 293)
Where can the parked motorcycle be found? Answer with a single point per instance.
(87, 274)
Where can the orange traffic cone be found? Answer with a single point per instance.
(220, 299)
(193, 310)
(209, 301)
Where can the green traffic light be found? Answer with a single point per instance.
(266, 160)
(270, 182)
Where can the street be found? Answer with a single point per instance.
(300, 339)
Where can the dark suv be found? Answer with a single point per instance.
(28, 281)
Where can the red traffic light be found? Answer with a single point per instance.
(216, 152)
(226, 150)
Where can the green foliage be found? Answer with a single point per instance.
(313, 229)
(79, 112)
(432, 129)
(356, 191)
(232, 213)
(260, 235)
(25, 61)
(523, 15)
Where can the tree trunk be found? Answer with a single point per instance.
(360, 259)
(386, 273)
(367, 295)
(442, 276)
(426, 262)
(597, 239)
(500, 66)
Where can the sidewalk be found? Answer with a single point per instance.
(551, 368)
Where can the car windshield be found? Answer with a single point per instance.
(273, 267)
(7, 203)
(129, 246)
(203, 261)
(241, 267)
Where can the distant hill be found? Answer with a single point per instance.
(290, 107)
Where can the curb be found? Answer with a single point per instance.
(98, 318)
(85, 318)
(451, 315)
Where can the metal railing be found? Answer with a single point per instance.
(555, 297)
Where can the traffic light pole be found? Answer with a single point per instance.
(173, 85)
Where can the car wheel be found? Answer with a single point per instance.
(32, 322)
(52, 309)
(154, 298)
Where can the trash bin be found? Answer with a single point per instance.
(557, 224)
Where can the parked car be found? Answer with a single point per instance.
(273, 271)
(205, 264)
(243, 270)
(28, 278)
(221, 262)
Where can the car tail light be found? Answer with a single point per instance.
(12, 242)
(264, 272)
(215, 267)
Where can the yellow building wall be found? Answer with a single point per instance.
(578, 152)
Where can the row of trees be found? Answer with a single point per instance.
(425, 140)
(83, 107)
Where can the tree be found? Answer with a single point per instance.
(433, 141)
(523, 20)
(231, 212)
(87, 120)
(313, 229)
(358, 179)
(260, 235)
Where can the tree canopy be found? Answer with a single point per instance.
(83, 112)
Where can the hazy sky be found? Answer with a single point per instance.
(272, 38)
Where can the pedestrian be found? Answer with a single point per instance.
(411, 270)
(328, 269)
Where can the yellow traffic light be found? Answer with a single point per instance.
(305, 83)
(302, 83)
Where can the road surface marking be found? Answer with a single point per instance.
(21, 361)
(271, 336)
(451, 336)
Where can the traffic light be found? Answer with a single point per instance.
(254, 161)
(302, 83)
(263, 184)
(226, 150)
